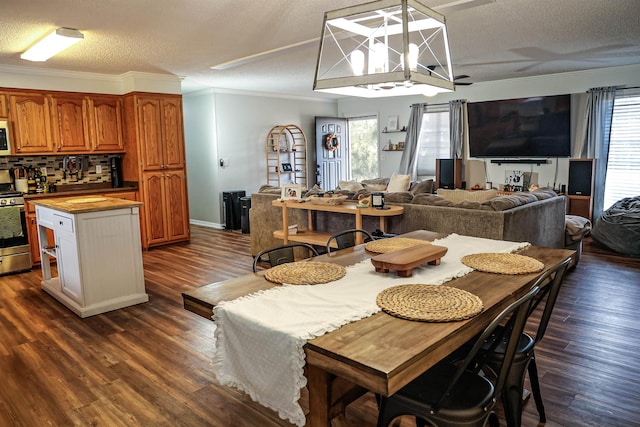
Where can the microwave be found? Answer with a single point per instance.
(5, 142)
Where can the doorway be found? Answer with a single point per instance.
(346, 149)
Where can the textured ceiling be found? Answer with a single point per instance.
(489, 40)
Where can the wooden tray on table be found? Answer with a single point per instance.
(404, 261)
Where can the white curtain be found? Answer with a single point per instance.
(457, 125)
(599, 114)
(409, 160)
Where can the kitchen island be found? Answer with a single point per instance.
(98, 252)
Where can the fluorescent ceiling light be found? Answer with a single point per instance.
(53, 43)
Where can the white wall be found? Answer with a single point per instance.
(240, 122)
(567, 83)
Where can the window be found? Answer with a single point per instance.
(363, 144)
(434, 142)
(623, 167)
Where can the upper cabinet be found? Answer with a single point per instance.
(105, 123)
(70, 123)
(31, 118)
(3, 104)
(66, 123)
(160, 131)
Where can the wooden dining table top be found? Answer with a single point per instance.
(383, 353)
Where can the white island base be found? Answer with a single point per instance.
(98, 253)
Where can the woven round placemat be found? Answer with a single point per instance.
(429, 303)
(305, 273)
(502, 263)
(383, 246)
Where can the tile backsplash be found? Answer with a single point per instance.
(55, 169)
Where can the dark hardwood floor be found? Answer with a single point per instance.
(150, 365)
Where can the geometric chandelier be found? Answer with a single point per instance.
(384, 48)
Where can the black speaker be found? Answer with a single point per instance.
(449, 173)
(232, 209)
(580, 177)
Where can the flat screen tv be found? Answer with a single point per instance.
(525, 127)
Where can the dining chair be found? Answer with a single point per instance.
(524, 360)
(347, 238)
(456, 395)
(281, 254)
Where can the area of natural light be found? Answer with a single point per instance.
(433, 142)
(363, 141)
(623, 168)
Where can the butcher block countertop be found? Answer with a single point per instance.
(83, 204)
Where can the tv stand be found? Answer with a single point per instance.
(520, 161)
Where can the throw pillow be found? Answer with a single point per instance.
(425, 186)
(350, 185)
(374, 187)
(458, 196)
(398, 183)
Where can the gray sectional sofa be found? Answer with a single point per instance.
(537, 217)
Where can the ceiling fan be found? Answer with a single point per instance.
(453, 6)
(456, 79)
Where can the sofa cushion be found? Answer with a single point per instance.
(431, 200)
(269, 189)
(544, 193)
(375, 184)
(350, 185)
(398, 197)
(425, 186)
(458, 196)
(398, 182)
(525, 198)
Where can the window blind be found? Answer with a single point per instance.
(623, 167)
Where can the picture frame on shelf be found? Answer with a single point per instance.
(283, 144)
(393, 123)
(286, 167)
(291, 192)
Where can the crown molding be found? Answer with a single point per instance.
(81, 81)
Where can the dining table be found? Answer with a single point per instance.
(381, 353)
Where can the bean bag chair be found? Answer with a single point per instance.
(618, 228)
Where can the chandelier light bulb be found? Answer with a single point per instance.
(413, 56)
(380, 58)
(357, 62)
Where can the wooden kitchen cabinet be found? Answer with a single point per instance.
(70, 123)
(34, 242)
(165, 207)
(30, 115)
(105, 123)
(3, 105)
(161, 132)
(155, 157)
(87, 124)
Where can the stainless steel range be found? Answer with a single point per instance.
(14, 243)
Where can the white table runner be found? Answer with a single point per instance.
(260, 337)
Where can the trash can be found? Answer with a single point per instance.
(231, 200)
(245, 205)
